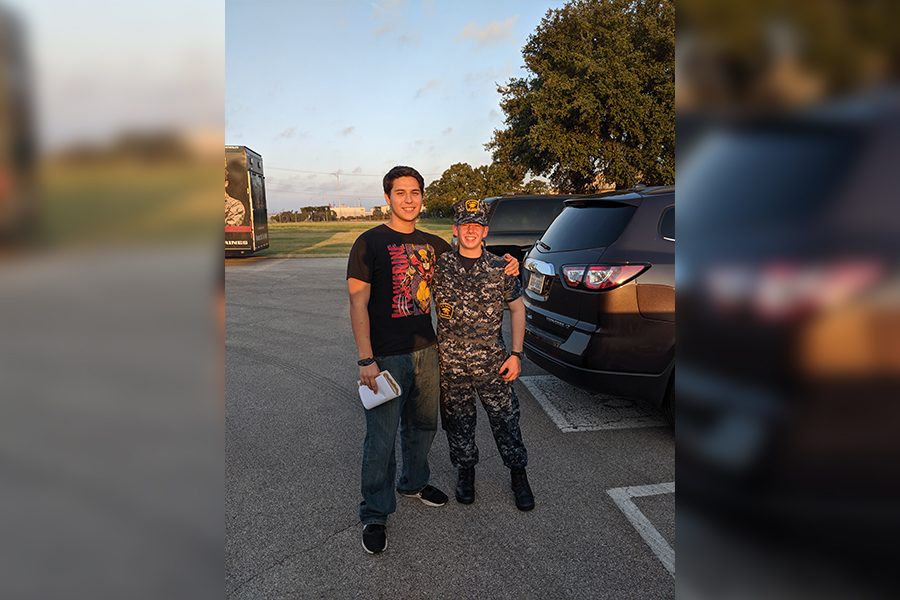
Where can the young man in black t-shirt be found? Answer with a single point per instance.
(389, 276)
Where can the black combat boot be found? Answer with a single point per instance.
(521, 489)
(465, 485)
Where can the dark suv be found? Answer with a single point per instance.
(517, 221)
(789, 373)
(600, 295)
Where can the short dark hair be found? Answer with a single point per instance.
(401, 171)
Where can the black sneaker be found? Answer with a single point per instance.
(373, 539)
(429, 495)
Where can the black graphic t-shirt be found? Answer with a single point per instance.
(400, 267)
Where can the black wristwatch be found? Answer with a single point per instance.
(365, 362)
(520, 355)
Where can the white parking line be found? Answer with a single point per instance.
(622, 497)
(548, 406)
(574, 409)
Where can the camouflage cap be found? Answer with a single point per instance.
(470, 211)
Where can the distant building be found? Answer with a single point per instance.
(349, 212)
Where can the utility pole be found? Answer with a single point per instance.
(337, 175)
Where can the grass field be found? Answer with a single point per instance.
(331, 238)
(128, 201)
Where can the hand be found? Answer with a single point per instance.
(510, 369)
(512, 265)
(367, 376)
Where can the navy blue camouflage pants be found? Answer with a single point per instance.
(458, 415)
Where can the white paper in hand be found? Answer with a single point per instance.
(388, 389)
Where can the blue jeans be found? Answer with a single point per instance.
(416, 413)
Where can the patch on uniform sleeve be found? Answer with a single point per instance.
(445, 310)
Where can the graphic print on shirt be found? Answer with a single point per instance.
(412, 269)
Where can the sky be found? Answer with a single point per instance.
(335, 93)
(99, 68)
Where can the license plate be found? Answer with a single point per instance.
(536, 282)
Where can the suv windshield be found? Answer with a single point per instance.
(578, 228)
(524, 214)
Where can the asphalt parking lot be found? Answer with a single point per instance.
(602, 469)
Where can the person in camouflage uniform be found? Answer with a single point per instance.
(470, 292)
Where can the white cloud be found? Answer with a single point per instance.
(432, 84)
(287, 133)
(387, 12)
(492, 32)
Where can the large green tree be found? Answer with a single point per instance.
(461, 182)
(597, 105)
